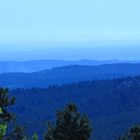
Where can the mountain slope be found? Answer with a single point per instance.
(111, 105)
(38, 65)
(67, 74)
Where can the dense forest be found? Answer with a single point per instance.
(70, 124)
(112, 106)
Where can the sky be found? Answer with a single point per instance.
(69, 29)
(69, 20)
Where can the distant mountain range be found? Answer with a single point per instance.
(67, 74)
(37, 65)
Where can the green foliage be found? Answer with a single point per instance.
(35, 136)
(6, 117)
(0, 110)
(70, 125)
(132, 134)
(3, 129)
(5, 102)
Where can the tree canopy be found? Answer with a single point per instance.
(70, 125)
(132, 134)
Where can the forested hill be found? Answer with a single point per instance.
(67, 74)
(37, 65)
(113, 106)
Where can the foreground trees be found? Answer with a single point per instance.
(6, 117)
(5, 102)
(132, 134)
(70, 125)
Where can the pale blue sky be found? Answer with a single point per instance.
(69, 29)
(69, 20)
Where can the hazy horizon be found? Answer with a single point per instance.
(99, 50)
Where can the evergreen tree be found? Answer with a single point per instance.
(6, 117)
(5, 102)
(70, 125)
(18, 133)
(132, 134)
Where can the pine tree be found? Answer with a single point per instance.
(132, 134)
(6, 117)
(5, 102)
(70, 125)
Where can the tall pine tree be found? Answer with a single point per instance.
(70, 125)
